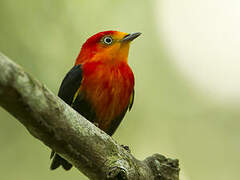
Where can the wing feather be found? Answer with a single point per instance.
(131, 100)
(70, 84)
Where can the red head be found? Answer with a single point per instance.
(107, 47)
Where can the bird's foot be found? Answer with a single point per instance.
(96, 124)
(126, 148)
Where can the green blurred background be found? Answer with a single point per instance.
(170, 115)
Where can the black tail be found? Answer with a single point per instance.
(59, 161)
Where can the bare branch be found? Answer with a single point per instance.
(65, 131)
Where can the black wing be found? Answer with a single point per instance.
(67, 91)
(70, 84)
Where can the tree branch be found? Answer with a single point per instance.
(65, 131)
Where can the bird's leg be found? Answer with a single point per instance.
(126, 148)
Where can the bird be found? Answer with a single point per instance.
(100, 85)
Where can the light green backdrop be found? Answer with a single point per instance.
(168, 117)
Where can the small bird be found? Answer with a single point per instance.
(100, 86)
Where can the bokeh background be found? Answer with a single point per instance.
(186, 65)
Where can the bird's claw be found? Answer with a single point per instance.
(126, 148)
(96, 124)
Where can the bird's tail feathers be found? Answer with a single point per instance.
(59, 161)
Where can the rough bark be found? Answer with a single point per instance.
(65, 131)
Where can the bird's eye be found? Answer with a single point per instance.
(107, 40)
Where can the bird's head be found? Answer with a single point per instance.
(107, 47)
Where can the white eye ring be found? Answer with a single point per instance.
(108, 40)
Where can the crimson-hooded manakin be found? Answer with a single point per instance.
(100, 86)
